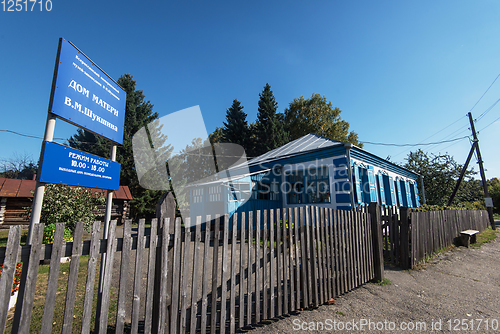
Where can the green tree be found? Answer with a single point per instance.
(317, 115)
(441, 173)
(69, 205)
(217, 136)
(138, 113)
(494, 190)
(235, 128)
(270, 133)
(19, 166)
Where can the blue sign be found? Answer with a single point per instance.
(85, 96)
(65, 165)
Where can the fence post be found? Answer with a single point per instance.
(378, 250)
(405, 237)
(165, 208)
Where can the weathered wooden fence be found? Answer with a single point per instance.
(408, 237)
(222, 279)
(433, 230)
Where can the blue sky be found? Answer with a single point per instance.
(400, 71)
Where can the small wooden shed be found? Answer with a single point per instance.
(16, 194)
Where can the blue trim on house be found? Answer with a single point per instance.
(341, 174)
(342, 198)
(342, 186)
(340, 161)
(357, 153)
(311, 156)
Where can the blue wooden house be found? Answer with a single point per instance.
(311, 170)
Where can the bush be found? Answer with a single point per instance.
(69, 205)
(48, 234)
(426, 207)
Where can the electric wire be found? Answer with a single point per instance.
(25, 135)
(444, 149)
(487, 110)
(485, 92)
(443, 139)
(489, 125)
(419, 144)
(453, 134)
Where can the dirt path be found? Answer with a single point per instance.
(456, 291)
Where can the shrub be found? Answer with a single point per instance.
(48, 234)
(69, 205)
(426, 207)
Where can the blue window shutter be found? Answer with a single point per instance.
(398, 187)
(408, 195)
(417, 197)
(373, 186)
(357, 180)
(381, 188)
(404, 193)
(413, 194)
(392, 192)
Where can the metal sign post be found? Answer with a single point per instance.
(107, 219)
(40, 186)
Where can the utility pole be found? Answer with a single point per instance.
(481, 170)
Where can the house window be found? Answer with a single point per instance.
(214, 194)
(265, 191)
(308, 186)
(364, 182)
(197, 195)
(239, 190)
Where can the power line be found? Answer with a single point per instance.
(420, 144)
(364, 142)
(458, 120)
(485, 93)
(487, 110)
(446, 137)
(489, 125)
(444, 149)
(25, 135)
(453, 134)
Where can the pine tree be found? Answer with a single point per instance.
(138, 113)
(235, 128)
(270, 133)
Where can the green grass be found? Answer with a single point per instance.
(5, 233)
(485, 236)
(383, 282)
(496, 216)
(41, 286)
(427, 258)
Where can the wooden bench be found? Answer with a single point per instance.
(468, 237)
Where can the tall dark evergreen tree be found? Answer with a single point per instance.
(235, 128)
(138, 113)
(270, 133)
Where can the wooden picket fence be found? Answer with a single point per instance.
(431, 231)
(219, 278)
(409, 237)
